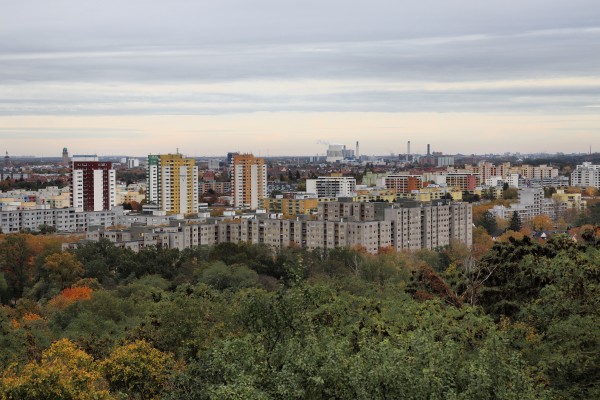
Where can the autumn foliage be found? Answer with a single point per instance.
(69, 296)
(64, 372)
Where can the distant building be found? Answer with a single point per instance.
(249, 181)
(214, 164)
(444, 161)
(331, 186)
(403, 183)
(133, 163)
(290, 207)
(65, 156)
(93, 184)
(63, 219)
(230, 156)
(564, 202)
(531, 204)
(462, 181)
(7, 163)
(586, 175)
(172, 183)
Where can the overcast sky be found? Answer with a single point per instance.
(275, 77)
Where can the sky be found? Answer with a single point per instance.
(277, 77)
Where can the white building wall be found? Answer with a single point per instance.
(77, 190)
(183, 190)
(254, 186)
(98, 190)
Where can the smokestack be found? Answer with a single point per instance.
(356, 155)
(428, 149)
(407, 151)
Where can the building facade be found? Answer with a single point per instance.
(370, 226)
(331, 186)
(249, 181)
(586, 175)
(172, 183)
(403, 183)
(93, 184)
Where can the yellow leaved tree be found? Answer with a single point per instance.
(64, 372)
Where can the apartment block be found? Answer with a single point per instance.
(372, 226)
(406, 227)
(172, 183)
(531, 204)
(249, 181)
(291, 206)
(65, 220)
(331, 186)
(538, 172)
(93, 184)
(403, 183)
(586, 175)
(462, 181)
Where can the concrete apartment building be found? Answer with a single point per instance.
(331, 186)
(403, 183)
(538, 172)
(372, 226)
(289, 207)
(461, 181)
(65, 220)
(565, 202)
(531, 204)
(93, 184)
(172, 183)
(249, 181)
(586, 175)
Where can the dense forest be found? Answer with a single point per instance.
(518, 321)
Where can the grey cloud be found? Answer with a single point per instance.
(519, 99)
(145, 42)
(66, 133)
(556, 53)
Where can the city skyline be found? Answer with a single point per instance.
(276, 78)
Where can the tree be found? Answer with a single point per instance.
(138, 369)
(510, 194)
(4, 293)
(64, 372)
(515, 222)
(15, 263)
(489, 223)
(482, 242)
(63, 269)
(542, 223)
(46, 229)
(221, 276)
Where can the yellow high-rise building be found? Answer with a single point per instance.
(173, 183)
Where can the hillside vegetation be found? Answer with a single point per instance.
(520, 321)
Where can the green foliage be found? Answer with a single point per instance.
(221, 276)
(239, 321)
(515, 224)
(15, 264)
(510, 194)
(591, 216)
(4, 293)
(489, 223)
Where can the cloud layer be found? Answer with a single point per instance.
(140, 59)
